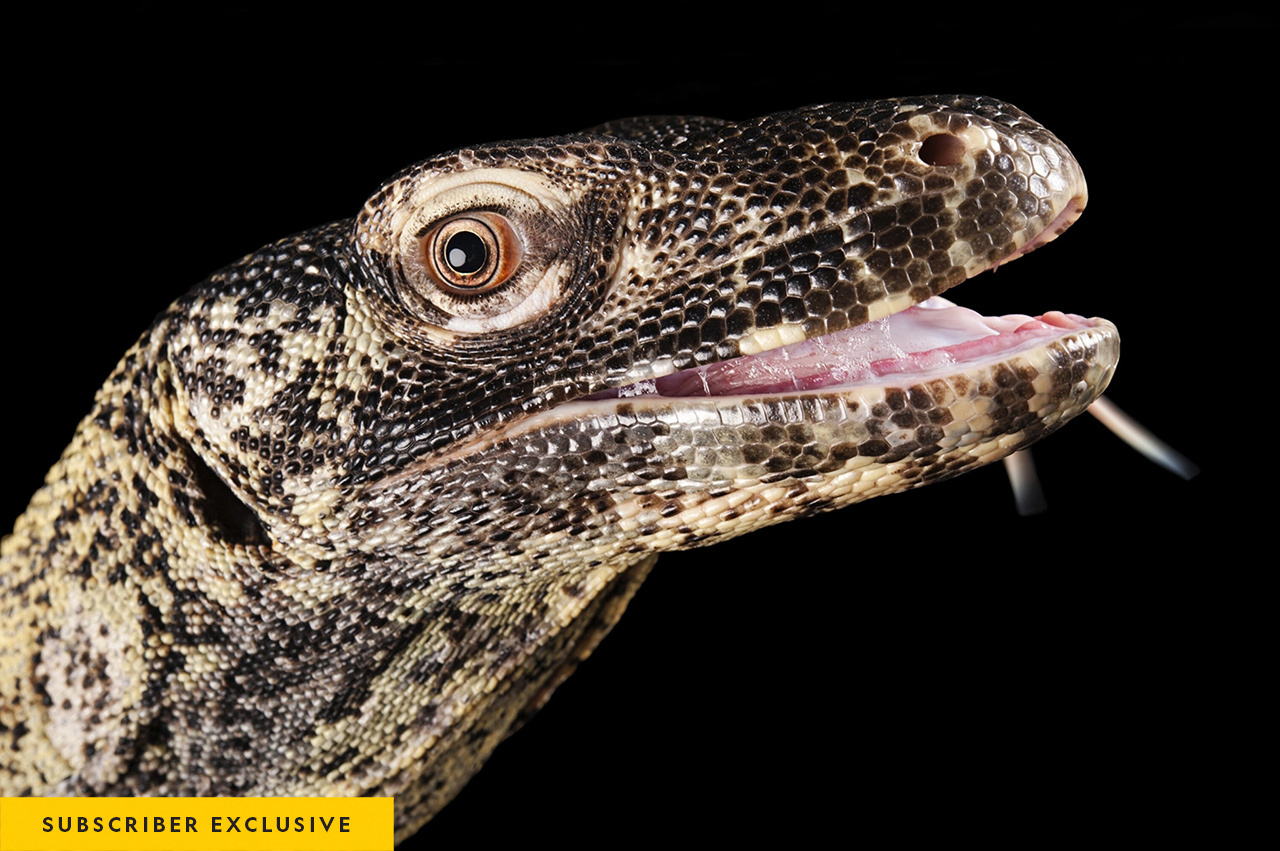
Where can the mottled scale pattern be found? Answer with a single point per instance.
(332, 527)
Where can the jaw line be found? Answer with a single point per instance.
(933, 338)
(970, 362)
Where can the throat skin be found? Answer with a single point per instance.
(313, 500)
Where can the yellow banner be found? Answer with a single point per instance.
(195, 824)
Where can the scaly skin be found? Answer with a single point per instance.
(332, 528)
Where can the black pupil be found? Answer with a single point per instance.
(465, 253)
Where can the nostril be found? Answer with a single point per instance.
(942, 149)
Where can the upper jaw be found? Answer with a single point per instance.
(917, 228)
(1071, 211)
(907, 341)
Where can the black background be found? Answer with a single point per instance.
(926, 661)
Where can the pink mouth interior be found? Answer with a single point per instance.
(932, 336)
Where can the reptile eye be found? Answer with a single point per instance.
(472, 254)
(479, 251)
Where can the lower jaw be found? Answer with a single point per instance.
(902, 422)
(903, 430)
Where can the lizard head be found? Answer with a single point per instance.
(671, 316)
(631, 335)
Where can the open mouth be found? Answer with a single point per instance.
(931, 339)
